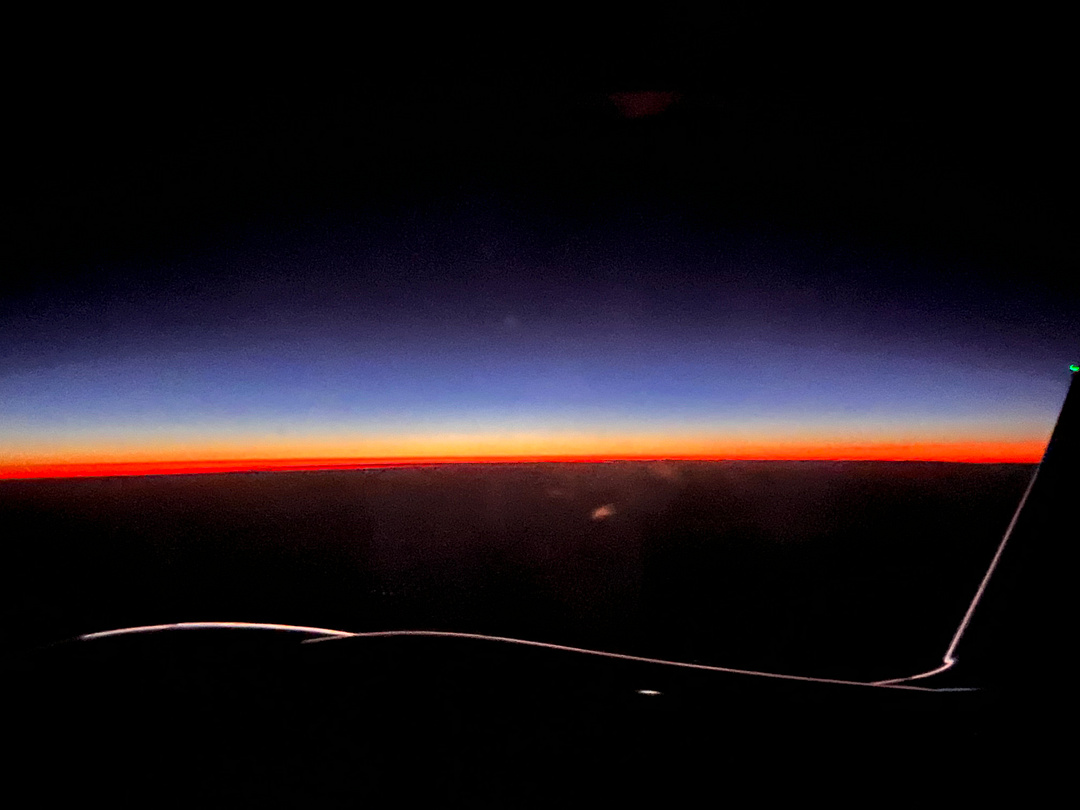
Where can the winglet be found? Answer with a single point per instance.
(1024, 612)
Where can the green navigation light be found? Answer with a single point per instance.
(1074, 367)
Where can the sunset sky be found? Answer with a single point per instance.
(423, 274)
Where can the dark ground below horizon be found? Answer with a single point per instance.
(855, 570)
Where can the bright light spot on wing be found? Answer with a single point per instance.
(605, 511)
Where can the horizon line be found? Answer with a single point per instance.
(28, 471)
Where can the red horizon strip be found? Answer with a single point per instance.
(137, 468)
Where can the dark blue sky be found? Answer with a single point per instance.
(473, 258)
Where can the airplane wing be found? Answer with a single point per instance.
(251, 713)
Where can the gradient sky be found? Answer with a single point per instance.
(501, 277)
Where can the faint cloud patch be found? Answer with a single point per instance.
(643, 104)
(665, 470)
(605, 511)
